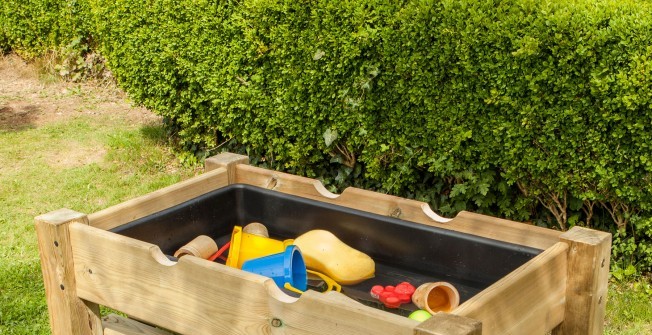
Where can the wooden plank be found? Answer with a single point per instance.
(406, 209)
(117, 325)
(159, 200)
(588, 277)
(334, 313)
(505, 230)
(68, 313)
(226, 160)
(195, 296)
(529, 300)
(449, 324)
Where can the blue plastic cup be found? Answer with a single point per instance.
(287, 267)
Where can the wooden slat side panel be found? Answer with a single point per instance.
(159, 200)
(506, 230)
(195, 296)
(530, 300)
(406, 209)
(334, 313)
(117, 325)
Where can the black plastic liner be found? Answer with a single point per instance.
(402, 250)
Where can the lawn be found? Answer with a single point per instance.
(81, 147)
(85, 148)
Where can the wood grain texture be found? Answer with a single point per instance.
(159, 200)
(117, 325)
(529, 300)
(588, 279)
(226, 160)
(195, 296)
(449, 324)
(68, 313)
(406, 209)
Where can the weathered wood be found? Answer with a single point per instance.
(530, 300)
(195, 296)
(449, 324)
(588, 277)
(504, 230)
(117, 325)
(68, 313)
(406, 209)
(226, 160)
(334, 313)
(159, 200)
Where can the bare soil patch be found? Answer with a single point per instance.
(29, 98)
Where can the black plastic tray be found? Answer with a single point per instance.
(402, 250)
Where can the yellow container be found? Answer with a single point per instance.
(246, 246)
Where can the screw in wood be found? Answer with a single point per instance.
(276, 322)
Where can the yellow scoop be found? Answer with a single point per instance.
(324, 252)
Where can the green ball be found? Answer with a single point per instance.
(420, 315)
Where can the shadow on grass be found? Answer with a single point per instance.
(155, 133)
(18, 118)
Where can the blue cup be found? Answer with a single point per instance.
(286, 268)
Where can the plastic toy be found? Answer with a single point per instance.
(287, 269)
(393, 296)
(420, 315)
(256, 228)
(245, 246)
(325, 253)
(436, 297)
(201, 246)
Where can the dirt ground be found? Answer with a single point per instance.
(30, 98)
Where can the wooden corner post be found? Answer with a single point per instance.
(68, 313)
(587, 281)
(226, 160)
(449, 324)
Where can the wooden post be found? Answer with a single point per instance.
(68, 313)
(228, 161)
(449, 324)
(587, 281)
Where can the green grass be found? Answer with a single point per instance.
(629, 308)
(84, 164)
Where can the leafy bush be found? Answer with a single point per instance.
(32, 28)
(526, 109)
(531, 110)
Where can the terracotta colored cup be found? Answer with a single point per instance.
(436, 297)
(202, 246)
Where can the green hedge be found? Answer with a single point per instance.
(532, 110)
(31, 28)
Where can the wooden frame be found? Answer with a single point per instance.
(562, 290)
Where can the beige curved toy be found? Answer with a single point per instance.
(256, 228)
(324, 252)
